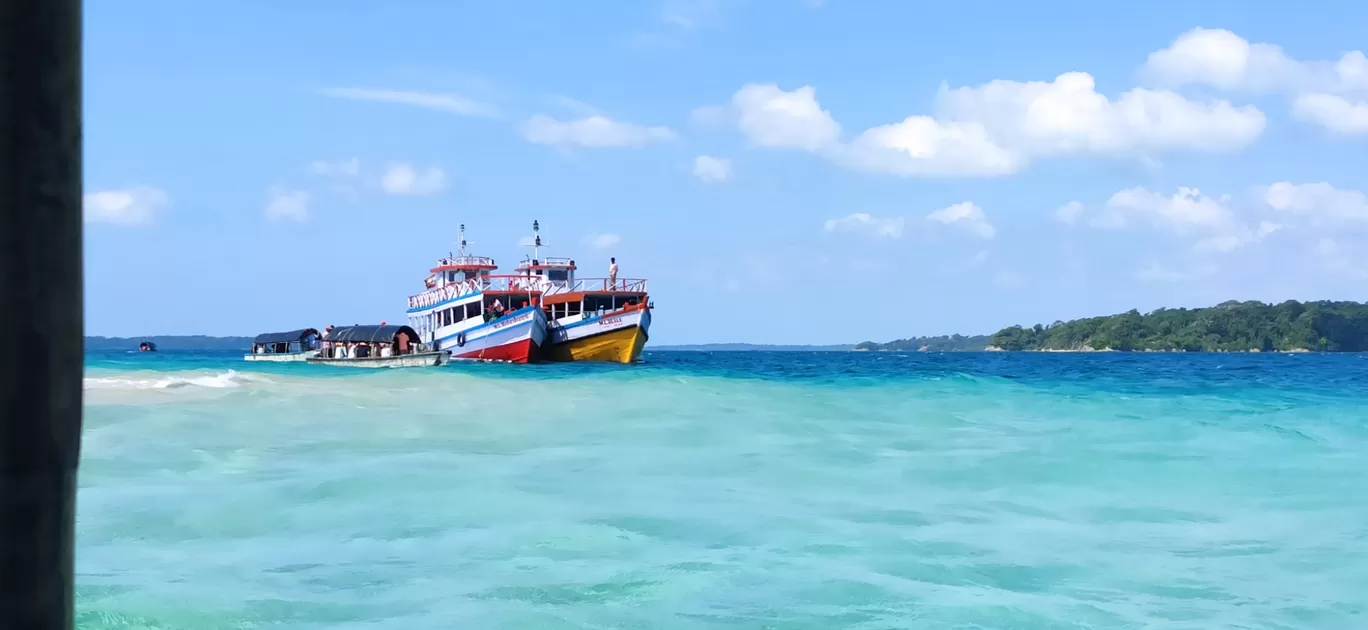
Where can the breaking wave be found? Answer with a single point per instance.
(160, 380)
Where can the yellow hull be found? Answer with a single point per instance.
(619, 346)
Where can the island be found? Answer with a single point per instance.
(1231, 326)
(942, 343)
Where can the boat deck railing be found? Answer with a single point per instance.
(598, 285)
(466, 261)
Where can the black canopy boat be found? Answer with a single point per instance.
(294, 345)
(147, 346)
(378, 346)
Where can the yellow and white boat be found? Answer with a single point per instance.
(589, 319)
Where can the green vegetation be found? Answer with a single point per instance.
(943, 343)
(1230, 326)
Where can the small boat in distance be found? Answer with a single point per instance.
(147, 346)
(378, 347)
(295, 345)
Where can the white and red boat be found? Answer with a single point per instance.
(476, 314)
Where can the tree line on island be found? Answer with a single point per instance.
(1231, 326)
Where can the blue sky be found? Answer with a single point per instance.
(783, 171)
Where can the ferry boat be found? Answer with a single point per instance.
(476, 314)
(377, 347)
(590, 319)
(295, 345)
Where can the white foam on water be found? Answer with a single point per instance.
(218, 380)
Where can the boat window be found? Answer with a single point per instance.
(446, 317)
(472, 310)
(572, 309)
(596, 303)
(558, 275)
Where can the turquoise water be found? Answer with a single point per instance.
(728, 490)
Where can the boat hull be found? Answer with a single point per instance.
(283, 357)
(613, 337)
(422, 359)
(514, 338)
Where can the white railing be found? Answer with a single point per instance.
(591, 285)
(442, 294)
(466, 261)
(530, 284)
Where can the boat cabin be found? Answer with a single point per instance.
(302, 340)
(361, 342)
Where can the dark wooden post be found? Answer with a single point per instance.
(40, 308)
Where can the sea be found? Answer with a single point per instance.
(727, 490)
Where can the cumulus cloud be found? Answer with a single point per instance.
(1328, 93)
(450, 103)
(138, 205)
(592, 132)
(711, 170)
(967, 215)
(1070, 212)
(284, 204)
(602, 241)
(1211, 221)
(1336, 113)
(405, 179)
(1222, 59)
(997, 128)
(867, 225)
(1319, 202)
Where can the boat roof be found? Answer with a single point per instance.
(284, 337)
(550, 262)
(355, 334)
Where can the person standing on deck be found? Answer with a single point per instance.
(403, 342)
(612, 274)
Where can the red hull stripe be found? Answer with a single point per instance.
(516, 352)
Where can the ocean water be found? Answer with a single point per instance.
(727, 490)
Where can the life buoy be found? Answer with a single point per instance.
(460, 340)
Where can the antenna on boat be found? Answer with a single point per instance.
(536, 241)
(462, 242)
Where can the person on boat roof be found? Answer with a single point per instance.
(612, 274)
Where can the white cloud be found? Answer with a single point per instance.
(997, 128)
(1319, 202)
(592, 132)
(1187, 213)
(862, 223)
(965, 214)
(602, 241)
(452, 103)
(711, 170)
(1069, 212)
(1160, 273)
(1068, 116)
(771, 117)
(341, 168)
(1335, 113)
(284, 204)
(344, 174)
(1334, 258)
(137, 205)
(404, 179)
(1222, 59)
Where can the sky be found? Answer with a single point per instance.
(782, 171)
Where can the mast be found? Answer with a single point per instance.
(462, 243)
(536, 242)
